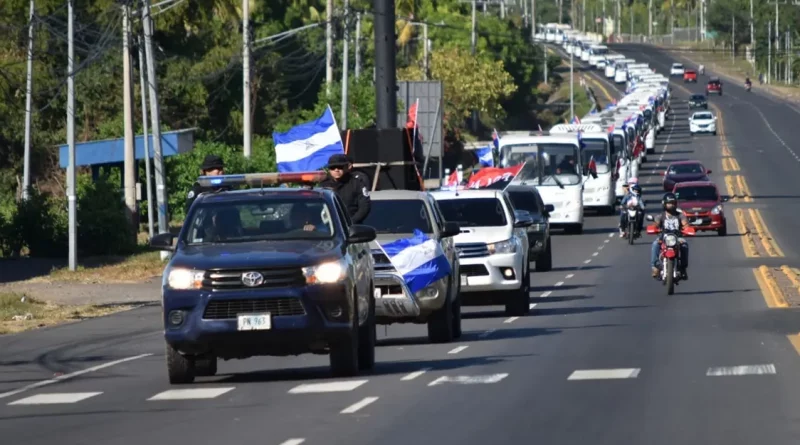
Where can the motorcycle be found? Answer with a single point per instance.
(633, 227)
(669, 258)
(747, 86)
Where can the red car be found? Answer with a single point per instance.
(701, 202)
(684, 171)
(714, 86)
(690, 76)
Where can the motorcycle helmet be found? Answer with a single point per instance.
(669, 198)
(637, 189)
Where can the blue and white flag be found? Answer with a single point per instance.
(485, 156)
(419, 260)
(307, 147)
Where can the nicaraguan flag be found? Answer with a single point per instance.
(307, 147)
(485, 156)
(495, 139)
(420, 260)
(576, 120)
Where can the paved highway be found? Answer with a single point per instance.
(605, 357)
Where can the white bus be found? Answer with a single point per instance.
(596, 143)
(553, 164)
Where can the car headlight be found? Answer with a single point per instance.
(507, 246)
(184, 279)
(326, 273)
(670, 240)
(716, 210)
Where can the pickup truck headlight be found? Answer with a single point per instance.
(326, 273)
(184, 279)
(716, 210)
(537, 227)
(507, 246)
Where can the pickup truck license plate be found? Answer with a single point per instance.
(464, 280)
(254, 322)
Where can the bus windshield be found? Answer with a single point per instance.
(597, 149)
(556, 163)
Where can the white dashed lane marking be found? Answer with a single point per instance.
(587, 261)
(560, 283)
(604, 374)
(191, 393)
(415, 374)
(55, 398)
(469, 379)
(569, 276)
(341, 386)
(596, 253)
(293, 442)
(741, 370)
(545, 294)
(458, 349)
(358, 405)
(511, 320)
(532, 305)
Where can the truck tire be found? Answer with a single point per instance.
(518, 301)
(457, 312)
(545, 260)
(180, 368)
(367, 337)
(344, 351)
(440, 322)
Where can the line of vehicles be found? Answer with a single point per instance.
(275, 270)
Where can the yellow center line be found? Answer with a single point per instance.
(744, 189)
(766, 237)
(748, 245)
(769, 288)
(795, 340)
(731, 186)
(791, 274)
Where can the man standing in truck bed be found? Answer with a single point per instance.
(351, 187)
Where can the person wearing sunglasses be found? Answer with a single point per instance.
(351, 187)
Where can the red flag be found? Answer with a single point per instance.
(452, 180)
(592, 165)
(489, 175)
(412, 116)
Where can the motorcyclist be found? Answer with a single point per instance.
(670, 219)
(747, 82)
(702, 69)
(633, 199)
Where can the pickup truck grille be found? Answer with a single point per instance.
(231, 279)
(382, 263)
(472, 250)
(227, 309)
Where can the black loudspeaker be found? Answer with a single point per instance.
(391, 146)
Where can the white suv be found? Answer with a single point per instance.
(676, 70)
(492, 246)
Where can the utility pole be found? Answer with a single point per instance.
(702, 21)
(769, 52)
(425, 44)
(26, 164)
(572, 15)
(603, 30)
(503, 9)
(386, 76)
(733, 38)
(617, 17)
(474, 50)
(246, 115)
(358, 45)
(650, 19)
(345, 63)
(525, 20)
(533, 19)
(571, 89)
(560, 11)
(631, 8)
(155, 120)
(752, 33)
(329, 45)
(583, 16)
(72, 183)
(129, 165)
(147, 172)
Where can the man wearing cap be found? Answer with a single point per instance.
(352, 188)
(212, 166)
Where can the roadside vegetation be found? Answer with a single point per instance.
(199, 78)
(20, 313)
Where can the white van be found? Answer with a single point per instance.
(611, 60)
(596, 144)
(597, 54)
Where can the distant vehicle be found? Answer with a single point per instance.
(684, 171)
(690, 76)
(703, 122)
(676, 69)
(698, 101)
(528, 198)
(714, 86)
(701, 202)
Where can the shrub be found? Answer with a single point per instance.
(103, 228)
(40, 223)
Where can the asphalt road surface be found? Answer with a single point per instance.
(605, 357)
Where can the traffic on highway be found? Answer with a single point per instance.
(626, 285)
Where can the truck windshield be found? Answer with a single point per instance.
(398, 216)
(268, 219)
(474, 212)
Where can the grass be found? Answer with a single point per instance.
(20, 313)
(133, 269)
